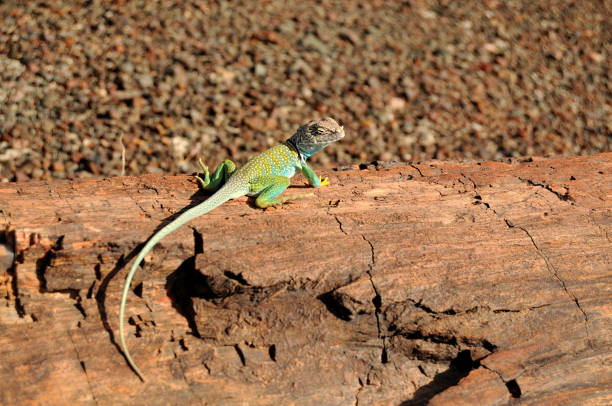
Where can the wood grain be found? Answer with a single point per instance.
(399, 284)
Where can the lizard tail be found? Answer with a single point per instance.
(220, 197)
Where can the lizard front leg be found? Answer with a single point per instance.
(222, 173)
(312, 177)
(269, 195)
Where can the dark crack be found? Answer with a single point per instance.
(513, 388)
(236, 277)
(478, 200)
(340, 224)
(335, 216)
(419, 305)
(43, 263)
(66, 200)
(433, 338)
(512, 385)
(373, 256)
(90, 290)
(75, 294)
(149, 187)
(97, 268)
(19, 308)
(240, 354)
(9, 239)
(553, 271)
(147, 215)
(564, 197)
(362, 384)
(454, 312)
(470, 179)
(272, 352)
(417, 169)
(377, 301)
(83, 367)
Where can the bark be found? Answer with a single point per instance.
(442, 282)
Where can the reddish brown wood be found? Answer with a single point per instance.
(453, 283)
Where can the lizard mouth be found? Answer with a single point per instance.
(338, 135)
(328, 139)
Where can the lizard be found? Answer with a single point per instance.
(265, 176)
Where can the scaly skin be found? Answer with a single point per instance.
(266, 176)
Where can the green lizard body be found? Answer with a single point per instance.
(266, 176)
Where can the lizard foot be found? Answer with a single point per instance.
(206, 181)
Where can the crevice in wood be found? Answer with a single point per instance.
(43, 263)
(137, 289)
(339, 224)
(513, 388)
(478, 200)
(553, 271)
(272, 352)
(377, 302)
(363, 384)
(19, 308)
(9, 239)
(127, 192)
(90, 290)
(459, 368)
(512, 385)
(334, 306)
(240, 354)
(83, 367)
(236, 277)
(75, 294)
(470, 179)
(417, 169)
(563, 197)
(97, 268)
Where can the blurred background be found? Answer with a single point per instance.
(166, 82)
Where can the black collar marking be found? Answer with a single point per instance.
(292, 144)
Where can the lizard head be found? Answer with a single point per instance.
(316, 135)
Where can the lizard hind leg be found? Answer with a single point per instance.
(269, 195)
(222, 173)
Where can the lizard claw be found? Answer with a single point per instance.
(324, 182)
(206, 180)
(204, 167)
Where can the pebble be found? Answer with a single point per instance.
(212, 80)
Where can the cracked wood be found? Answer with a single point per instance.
(437, 282)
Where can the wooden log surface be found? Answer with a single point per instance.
(400, 284)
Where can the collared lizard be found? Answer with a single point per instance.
(266, 176)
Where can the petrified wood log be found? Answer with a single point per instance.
(441, 282)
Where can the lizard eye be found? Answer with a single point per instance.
(320, 131)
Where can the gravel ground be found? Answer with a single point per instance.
(410, 80)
